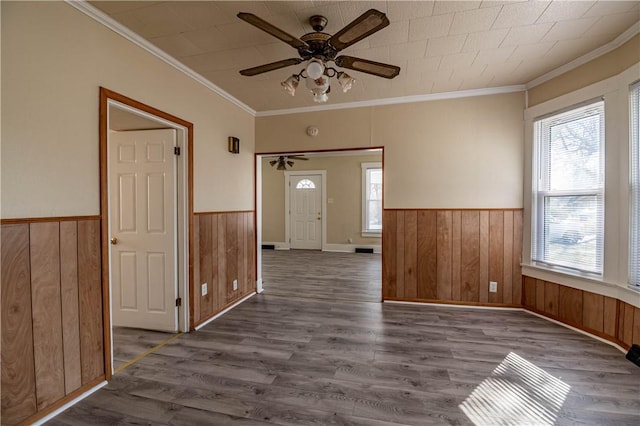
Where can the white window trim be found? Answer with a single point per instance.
(614, 282)
(367, 233)
(539, 195)
(634, 168)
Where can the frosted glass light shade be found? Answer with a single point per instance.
(315, 69)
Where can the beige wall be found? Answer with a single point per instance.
(54, 59)
(459, 153)
(603, 67)
(344, 187)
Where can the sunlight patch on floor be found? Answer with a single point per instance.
(516, 393)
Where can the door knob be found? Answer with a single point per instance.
(114, 240)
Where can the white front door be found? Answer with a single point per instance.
(142, 224)
(306, 211)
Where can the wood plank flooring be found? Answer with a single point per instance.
(326, 275)
(129, 343)
(298, 361)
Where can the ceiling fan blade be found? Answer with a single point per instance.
(363, 26)
(270, 67)
(297, 157)
(367, 66)
(273, 30)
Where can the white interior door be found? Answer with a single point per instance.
(305, 211)
(142, 224)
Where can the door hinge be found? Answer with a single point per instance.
(176, 150)
(179, 301)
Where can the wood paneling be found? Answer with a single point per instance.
(52, 334)
(470, 256)
(231, 245)
(205, 263)
(444, 255)
(18, 376)
(593, 311)
(44, 247)
(90, 300)
(516, 270)
(570, 305)
(456, 220)
(411, 254)
(496, 253)
(551, 298)
(196, 297)
(610, 315)
(484, 257)
(600, 315)
(400, 237)
(540, 295)
(529, 293)
(222, 262)
(70, 313)
(451, 255)
(626, 323)
(427, 255)
(389, 268)
(225, 251)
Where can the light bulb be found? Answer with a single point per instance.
(315, 69)
(290, 84)
(346, 81)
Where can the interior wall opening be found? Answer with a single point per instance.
(124, 125)
(319, 224)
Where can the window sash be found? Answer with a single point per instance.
(634, 187)
(568, 227)
(371, 200)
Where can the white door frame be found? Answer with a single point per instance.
(182, 211)
(287, 205)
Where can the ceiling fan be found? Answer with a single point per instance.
(319, 48)
(286, 160)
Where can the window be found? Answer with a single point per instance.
(371, 199)
(634, 248)
(305, 184)
(569, 193)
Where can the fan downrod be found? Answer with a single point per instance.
(318, 22)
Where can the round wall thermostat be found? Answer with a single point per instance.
(312, 131)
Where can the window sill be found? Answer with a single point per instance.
(372, 234)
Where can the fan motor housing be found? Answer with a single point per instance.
(319, 47)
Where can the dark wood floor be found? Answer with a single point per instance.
(278, 360)
(130, 343)
(326, 275)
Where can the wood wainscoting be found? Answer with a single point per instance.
(52, 333)
(602, 316)
(449, 256)
(223, 251)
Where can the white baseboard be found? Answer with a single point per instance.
(69, 404)
(199, 326)
(350, 248)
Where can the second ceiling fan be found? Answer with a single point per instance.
(319, 48)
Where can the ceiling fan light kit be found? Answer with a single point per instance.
(318, 48)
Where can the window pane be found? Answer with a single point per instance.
(571, 231)
(305, 184)
(634, 240)
(574, 157)
(374, 216)
(569, 211)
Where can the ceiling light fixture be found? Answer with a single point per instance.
(318, 80)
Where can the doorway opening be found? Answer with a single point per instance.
(146, 209)
(314, 238)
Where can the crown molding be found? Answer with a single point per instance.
(99, 16)
(602, 50)
(398, 100)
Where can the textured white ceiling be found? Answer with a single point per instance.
(441, 46)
